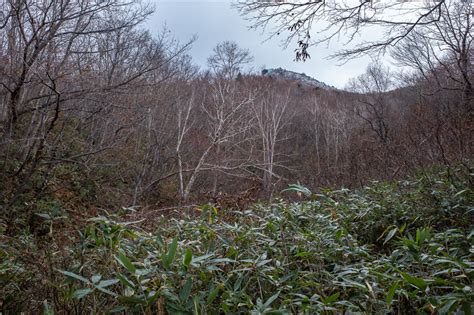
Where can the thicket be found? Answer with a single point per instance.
(401, 247)
(97, 114)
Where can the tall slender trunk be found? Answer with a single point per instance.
(216, 173)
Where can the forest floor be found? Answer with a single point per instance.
(401, 247)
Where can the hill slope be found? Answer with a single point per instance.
(280, 73)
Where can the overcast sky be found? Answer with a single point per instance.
(214, 21)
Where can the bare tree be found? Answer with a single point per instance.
(271, 111)
(66, 67)
(185, 109)
(223, 121)
(311, 23)
(226, 63)
(373, 98)
(41, 38)
(228, 59)
(442, 52)
(440, 57)
(328, 123)
(152, 115)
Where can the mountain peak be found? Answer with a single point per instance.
(301, 78)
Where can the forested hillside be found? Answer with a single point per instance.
(133, 181)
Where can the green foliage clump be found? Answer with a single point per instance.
(393, 248)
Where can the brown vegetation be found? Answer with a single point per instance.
(96, 112)
(98, 117)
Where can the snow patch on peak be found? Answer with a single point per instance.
(280, 73)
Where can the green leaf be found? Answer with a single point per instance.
(159, 241)
(124, 280)
(153, 297)
(74, 276)
(298, 189)
(351, 283)
(169, 258)
(331, 299)
(201, 258)
(213, 291)
(170, 296)
(96, 278)
(44, 216)
(417, 282)
(107, 291)
(79, 294)
(238, 283)
(188, 257)
(391, 293)
(447, 307)
(186, 290)
(270, 300)
(390, 235)
(459, 193)
(263, 262)
(402, 229)
(422, 235)
(107, 283)
(221, 260)
(196, 306)
(124, 261)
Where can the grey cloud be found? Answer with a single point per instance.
(215, 21)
